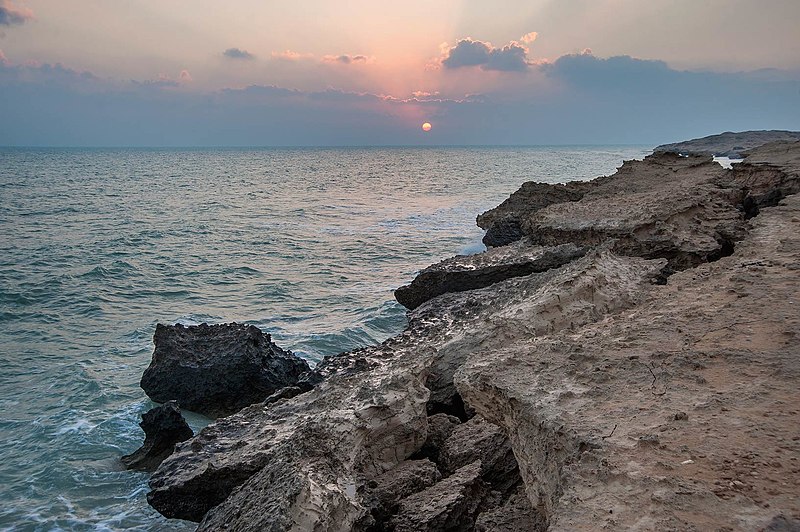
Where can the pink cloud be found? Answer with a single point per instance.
(529, 37)
(346, 59)
(290, 55)
(185, 76)
(11, 14)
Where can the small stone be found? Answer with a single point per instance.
(681, 416)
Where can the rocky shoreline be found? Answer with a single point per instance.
(625, 357)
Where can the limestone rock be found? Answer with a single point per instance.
(216, 370)
(502, 224)
(163, 427)
(469, 272)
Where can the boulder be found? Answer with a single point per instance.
(216, 370)
(468, 272)
(163, 427)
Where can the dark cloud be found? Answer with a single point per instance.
(10, 14)
(345, 59)
(466, 53)
(238, 53)
(469, 53)
(618, 100)
(511, 58)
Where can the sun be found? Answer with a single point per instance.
(426, 126)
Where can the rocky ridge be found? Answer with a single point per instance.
(605, 392)
(729, 144)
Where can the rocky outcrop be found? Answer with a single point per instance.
(680, 413)
(216, 370)
(729, 144)
(598, 394)
(502, 224)
(469, 272)
(163, 427)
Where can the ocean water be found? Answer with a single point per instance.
(99, 245)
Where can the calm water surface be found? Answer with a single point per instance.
(97, 246)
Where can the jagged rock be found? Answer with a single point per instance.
(163, 427)
(367, 417)
(502, 224)
(651, 212)
(515, 515)
(405, 479)
(468, 272)
(478, 440)
(728, 144)
(705, 344)
(440, 426)
(450, 504)
(216, 370)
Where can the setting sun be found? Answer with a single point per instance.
(426, 126)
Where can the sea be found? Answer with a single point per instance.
(97, 246)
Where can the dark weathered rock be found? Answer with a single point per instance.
(478, 440)
(216, 370)
(468, 272)
(514, 515)
(502, 224)
(440, 426)
(163, 427)
(407, 478)
(450, 504)
(728, 144)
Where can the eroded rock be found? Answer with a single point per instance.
(163, 427)
(728, 144)
(216, 370)
(468, 272)
(503, 223)
(704, 344)
(450, 504)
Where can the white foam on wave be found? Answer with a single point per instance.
(81, 426)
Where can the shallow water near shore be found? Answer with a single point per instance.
(99, 245)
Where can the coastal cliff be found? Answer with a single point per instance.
(630, 362)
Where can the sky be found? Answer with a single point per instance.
(313, 72)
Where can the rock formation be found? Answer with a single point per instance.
(729, 144)
(163, 427)
(216, 370)
(469, 272)
(649, 383)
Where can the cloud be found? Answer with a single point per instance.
(290, 55)
(345, 59)
(576, 99)
(11, 14)
(238, 53)
(185, 76)
(472, 53)
(528, 38)
(3, 58)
